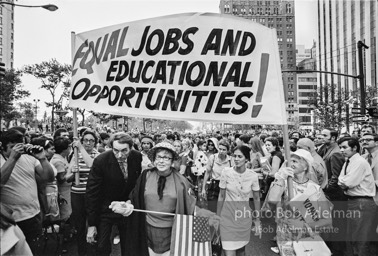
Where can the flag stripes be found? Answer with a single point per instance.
(190, 236)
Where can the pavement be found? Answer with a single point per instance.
(50, 244)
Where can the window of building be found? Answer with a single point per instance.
(1, 20)
(1, 30)
(1, 10)
(11, 55)
(289, 8)
(1, 41)
(1, 51)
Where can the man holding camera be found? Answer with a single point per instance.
(19, 175)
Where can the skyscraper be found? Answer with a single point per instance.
(341, 24)
(7, 34)
(281, 16)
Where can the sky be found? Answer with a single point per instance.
(41, 35)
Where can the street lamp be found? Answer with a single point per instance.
(50, 7)
(36, 107)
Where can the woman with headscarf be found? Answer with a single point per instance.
(291, 225)
(211, 147)
(159, 189)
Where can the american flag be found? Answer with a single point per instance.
(190, 236)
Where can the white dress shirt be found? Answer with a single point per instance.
(358, 178)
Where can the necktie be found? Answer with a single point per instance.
(346, 166)
(370, 159)
(123, 166)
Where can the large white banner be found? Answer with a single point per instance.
(194, 66)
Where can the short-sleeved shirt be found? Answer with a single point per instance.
(61, 164)
(216, 165)
(238, 185)
(20, 192)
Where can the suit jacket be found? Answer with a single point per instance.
(334, 162)
(106, 183)
(374, 168)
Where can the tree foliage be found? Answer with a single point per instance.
(332, 105)
(11, 90)
(52, 75)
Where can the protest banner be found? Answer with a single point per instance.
(193, 66)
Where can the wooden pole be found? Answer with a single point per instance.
(74, 114)
(287, 157)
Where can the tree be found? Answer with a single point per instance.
(27, 113)
(335, 112)
(52, 75)
(330, 111)
(11, 90)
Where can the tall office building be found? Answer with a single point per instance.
(281, 16)
(7, 34)
(341, 24)
(307, 85)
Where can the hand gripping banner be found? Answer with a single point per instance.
(193, 66)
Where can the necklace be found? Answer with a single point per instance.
(297, 181)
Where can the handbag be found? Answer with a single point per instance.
(311, 246)
(213, 191)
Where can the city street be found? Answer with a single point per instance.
(255, 247)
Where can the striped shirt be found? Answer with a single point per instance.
(83, 173)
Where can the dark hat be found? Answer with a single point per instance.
(162, 145)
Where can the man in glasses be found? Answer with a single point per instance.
(369, 142)
(112, 177)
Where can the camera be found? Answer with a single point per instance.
(32, 149)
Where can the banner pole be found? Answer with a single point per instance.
(74, 115)
(287, 157)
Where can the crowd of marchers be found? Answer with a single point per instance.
(103, 186)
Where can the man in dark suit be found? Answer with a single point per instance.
(334, 161)
(112, 178)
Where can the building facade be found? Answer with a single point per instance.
(307, 86)
(279, 15)
(7, 34)
(341, 24)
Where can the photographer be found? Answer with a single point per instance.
(19, 175)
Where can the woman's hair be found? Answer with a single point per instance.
(91, 133)
(178, 142)
(44, 142)
(224, 143)
(61, 144)
(245, 150)
(256, 146)
(200, 143)
(187, 142)
(274, 142)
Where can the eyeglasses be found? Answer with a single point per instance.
(88, 141)
(367, 140)
(165, 158)
(211, 145)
